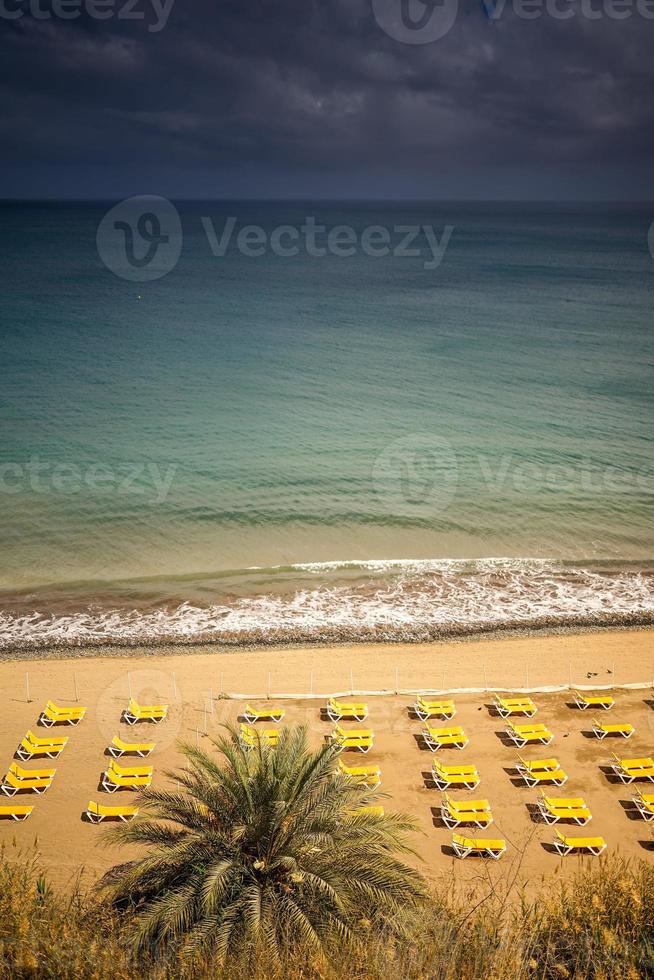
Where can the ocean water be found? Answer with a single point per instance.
(310, 447)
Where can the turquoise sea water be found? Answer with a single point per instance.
(307, 447)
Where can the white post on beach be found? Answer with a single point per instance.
(27, 688)
(174, 686)
(75, 686)
(397, 680)
(206, 729)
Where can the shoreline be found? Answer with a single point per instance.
(179, 647)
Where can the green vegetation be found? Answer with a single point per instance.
(257, 868)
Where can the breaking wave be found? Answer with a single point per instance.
(354, 601)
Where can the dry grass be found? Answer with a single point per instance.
(598, 925)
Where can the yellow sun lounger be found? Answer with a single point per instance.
(52, 714)
(427, 708)
(111, 781)
(438, 738)
(446, 776)
(249, 736)
(645, 804)
(523, 735)
(130, 770)
(260, 714)
(353, 738)
(515, 706)
(584, 701)
(144, 712)
(464, 846)
(565, 845)
(629, 769)
(16, 812)
(119, 747)
(620, 728)
(11, 784)
(31, 745)
(364, 775)
(540, 771)
(456, 812)
(21, 773)
(553, 808)
(96, 812)
(350, 709)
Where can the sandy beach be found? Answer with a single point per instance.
(206, 689)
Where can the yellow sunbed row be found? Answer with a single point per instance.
(426, 708)
(144, 712)
(353, 738)
(119, 747)
(447, 776)
(629, 769)
(565, 845)
(515, 706)
(619, 728)
(482, 847)
(645, 805)
(357, 710)
(52, 714)
(369, 776)
(19, 780)
(97, 812)
(555, 808)
(522, 735)
(584, 701)
(537, 771)
(117, 777)
(31, 745)
(456, 812)
(438, 738)
(15, 812)
(263, 714)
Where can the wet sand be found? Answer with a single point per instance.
(203, 691)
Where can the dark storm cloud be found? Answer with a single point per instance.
(297, 98)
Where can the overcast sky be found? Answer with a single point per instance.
(313, 98)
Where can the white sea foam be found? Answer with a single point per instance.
(399, 600)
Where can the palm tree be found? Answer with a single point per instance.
(263, 850)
